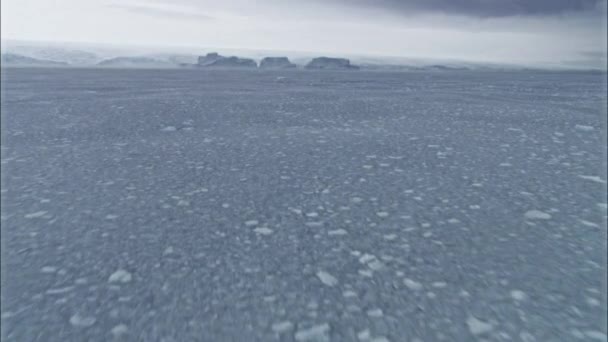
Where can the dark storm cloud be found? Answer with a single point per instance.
(485, 8)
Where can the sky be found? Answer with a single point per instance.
(495, 31)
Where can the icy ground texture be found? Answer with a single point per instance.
(302, 206)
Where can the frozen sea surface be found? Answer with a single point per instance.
(179, 205)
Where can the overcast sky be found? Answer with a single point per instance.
(512, 31)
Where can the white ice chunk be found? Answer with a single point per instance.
(251, 223)
(584, 128)
(327, 278)
(518, 295)
(375, 313)
(536, 215)
(337, 232)
(478, 327)
(35, 214)
(412, 284)
(120, 329)
(81, 321)
(263, 231)
(316, 333)
(282, 327)
(120, 276)
(382, 214)
(593, 179)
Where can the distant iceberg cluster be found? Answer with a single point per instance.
(214, 60)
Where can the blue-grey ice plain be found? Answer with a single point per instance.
(187, 205)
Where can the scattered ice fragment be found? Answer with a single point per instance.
(60, 290)
(390, 237)
(412, 284)
(35, 215)
(81, 321)
(169, 129)
(337, 232)
(375, 313)
(349, 294)
(80, 281)
(316, 333)
(593, 178)
(356, 199)
(48, 269)
(453, 221)
(596, 335)
(427, 234)
(365, 258)
(168, 250)
(327, 278)
(382, 214)
(536, 215)
(364, 335)
(478, 327)
(375, 265)
(592, 301)
(296, 211)
(120, 329)
(380, 339)
(589, 224)
(314, 224)
(440, 284)
(366, 273)
(474, 206)
(120, 276)
(526, 337)
(518, 295)
(282, 327)
(251, 223)
(263, 231)
(584, 128)
(111, 217)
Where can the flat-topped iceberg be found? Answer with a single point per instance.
(331, 63)
(276, 63)
(214, 59)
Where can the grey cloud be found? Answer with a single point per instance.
(484, 8)
(157, 11)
